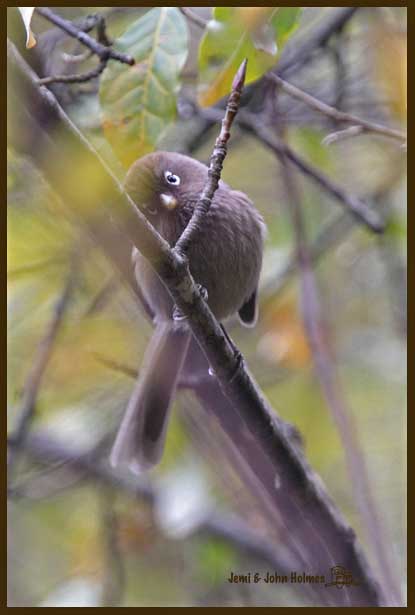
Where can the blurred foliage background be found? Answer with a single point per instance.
(75, 542)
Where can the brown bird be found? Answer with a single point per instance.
(225, 261)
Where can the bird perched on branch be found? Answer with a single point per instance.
(225, 261)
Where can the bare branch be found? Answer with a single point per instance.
(101, 47)
(114, 581)
(297, 53)
(101, 50)
(335, 114)
(324, 363)
(40, 362)
(193, 17)
(81, 78)
(116, 366)
(102, 34)
(351, 131)
(103, 296)
(217, 158)
(356, 206)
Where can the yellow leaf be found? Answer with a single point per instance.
(285, 341)
(235, 33)
(389, 47)
(254, 16)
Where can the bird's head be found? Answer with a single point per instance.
(162, 184)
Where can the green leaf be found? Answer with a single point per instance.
(235, 33)
(139, 101)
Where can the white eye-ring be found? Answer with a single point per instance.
(171, 178)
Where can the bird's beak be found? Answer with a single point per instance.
(168, 201)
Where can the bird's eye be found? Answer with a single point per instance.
(171, 178)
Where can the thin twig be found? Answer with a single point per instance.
(193, 17)
(217, 158)
(103, 296)
(40, 362)
(396, 274)
(339, 135)
(187, 381)
(97, 21)
(102, 34)
(335, 114)
(299, 51)
(81, 78)
(356, 206)
(337, 49)
(116, 366)
(102, 51)
(114, 581)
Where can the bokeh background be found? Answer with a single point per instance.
(76, 540)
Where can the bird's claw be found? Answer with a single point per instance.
(239, 363)
(202, 291)
(178, 314)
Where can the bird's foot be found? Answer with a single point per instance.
(203, 291)
(240, 363)
(178, 314)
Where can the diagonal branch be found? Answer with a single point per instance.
(193, 17)
(81, 78)
(104, 52)
(115, 573)
(356, 206)
(40, 363)
(100, 47)
(315, 328)
(298, 53)
(335, 114)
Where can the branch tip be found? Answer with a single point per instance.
(239, 79)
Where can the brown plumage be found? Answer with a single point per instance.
(225, 260)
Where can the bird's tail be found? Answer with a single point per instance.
(141, 436)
